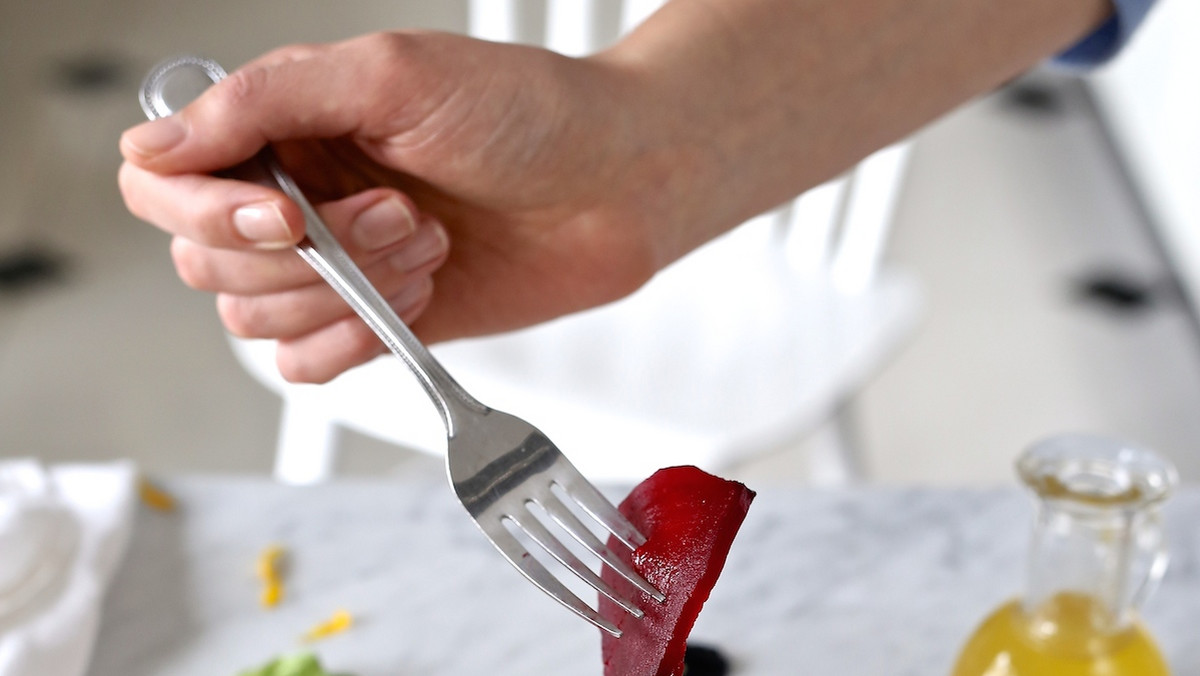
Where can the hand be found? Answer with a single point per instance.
(532, 199)
(488, 187)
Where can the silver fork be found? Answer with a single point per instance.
(498, 464)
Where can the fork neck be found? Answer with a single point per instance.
(454, 404)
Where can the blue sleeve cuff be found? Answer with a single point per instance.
(1107, 40)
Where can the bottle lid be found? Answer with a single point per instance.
(1097, 471)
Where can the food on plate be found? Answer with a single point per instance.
(689, 518)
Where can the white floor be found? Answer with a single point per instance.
(1002, 214)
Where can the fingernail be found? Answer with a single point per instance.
(264, 225)
(428, 244)
(154, 138)
(382, 224)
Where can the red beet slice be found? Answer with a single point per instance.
(689, 518)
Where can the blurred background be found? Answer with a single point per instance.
(1050, 225)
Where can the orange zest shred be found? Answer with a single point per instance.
(269, 568)
(339, 622)
(154, 497)
(271, 595)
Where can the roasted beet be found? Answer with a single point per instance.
(689, 518)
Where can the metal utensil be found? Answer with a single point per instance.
(498, 464)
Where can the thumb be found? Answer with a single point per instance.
(313, 95)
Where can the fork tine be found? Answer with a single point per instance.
(594, 502)
(571, 523)
(535, 572)
(536, 530)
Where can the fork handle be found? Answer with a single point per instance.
(325, 254)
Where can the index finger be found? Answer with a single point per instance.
(210, 210)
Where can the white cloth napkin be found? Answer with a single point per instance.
(63, 532)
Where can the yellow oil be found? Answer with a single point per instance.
(1061, 638)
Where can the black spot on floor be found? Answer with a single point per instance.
(1034, 99)
(92, 73)
(27, 268)
(1119, 292)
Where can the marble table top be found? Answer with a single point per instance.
(863, 581)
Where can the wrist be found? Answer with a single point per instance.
(674, 168)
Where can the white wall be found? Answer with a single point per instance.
(1150, 97)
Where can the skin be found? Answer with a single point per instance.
(487, 187)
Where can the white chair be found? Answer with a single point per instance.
(745, 346)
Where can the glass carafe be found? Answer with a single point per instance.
(1097, 552)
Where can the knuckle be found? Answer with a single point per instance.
(243, 86)
(124, 180)
(293, 52)
(191, 264)
(239, 316)
(292, 366)
(388, 46)
(388, 58)
(127, 184)
(299, 365)
(361, 343)
(319, 359)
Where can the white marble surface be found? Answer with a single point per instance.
(861, 581)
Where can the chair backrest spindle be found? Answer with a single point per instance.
(634, 12)
(874, 189)
(812, 228)
(570, 27)
(494, 20)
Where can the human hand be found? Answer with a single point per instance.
(559, 184)
(482, 188)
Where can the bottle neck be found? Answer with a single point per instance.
(1082, 563)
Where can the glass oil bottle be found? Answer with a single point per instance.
(1097, 552)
